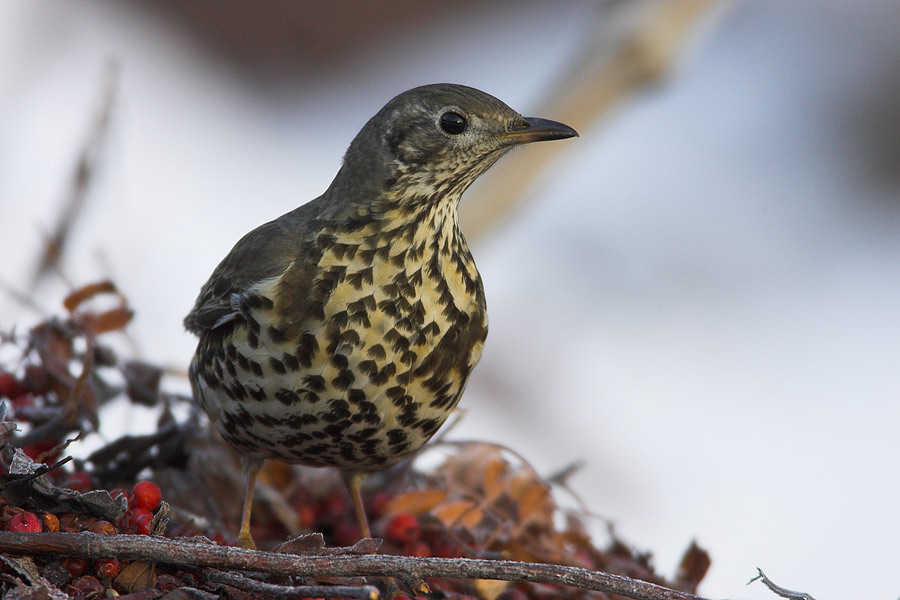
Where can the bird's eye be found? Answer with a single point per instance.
(453, 123)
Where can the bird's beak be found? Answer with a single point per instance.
(538, 130)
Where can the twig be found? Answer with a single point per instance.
(181, 552)
(84, 170)
(42, 469)
(634, 44)
(261, 588)
(780, 591)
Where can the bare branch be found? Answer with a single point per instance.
(634, 44)
(261, 588)
(81, 180)
(780, 591)
(192, 553)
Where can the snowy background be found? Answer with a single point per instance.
(701, 298)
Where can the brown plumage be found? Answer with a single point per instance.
(342, 333)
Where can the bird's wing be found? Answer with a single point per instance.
(264, 253)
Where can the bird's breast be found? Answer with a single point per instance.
(394, 321)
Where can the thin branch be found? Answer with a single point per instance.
(261, 588)
(777, 589)
(634, 44)
(411, 569)
(81, 180)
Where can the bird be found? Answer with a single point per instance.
(342, 333)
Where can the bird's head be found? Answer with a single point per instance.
(434, 141)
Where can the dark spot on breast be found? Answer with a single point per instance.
(278, 336)
(363, 276)
(295, 439)
(366, 407)
(339, 319)
(396, 436)
(389, 308)
(335, 430)
(300, 420)
(238, 391)
(252, 339)
(286, 396)
(407, 419)
(428, 426)
(277, 366)
(376, 351)
(344, 379)
(350, 337)
(399, 259)
(324, 241)
(309, 396)
(290, 361)
(338, 411)
(315, 383)
(368, 368)
(367, 256)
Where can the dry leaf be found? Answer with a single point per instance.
(462, 511)
(82, 294)
(142, 382)
(308, 543)
(112, 320)
(693, 567)
(415, 503)
(493, 479)
(533, 503)
(488, 589)
(137, 576)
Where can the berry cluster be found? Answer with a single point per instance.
(142, 499)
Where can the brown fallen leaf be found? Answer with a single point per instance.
(416, 503)
(111, 320)
(135, 577)
(464, 512)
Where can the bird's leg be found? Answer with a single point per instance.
(354, 480)
(251, 468)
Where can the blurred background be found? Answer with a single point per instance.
(699, 297)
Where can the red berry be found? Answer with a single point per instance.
(419, 549)
(79, 481)
(24, 521)
(108, 567)
(146, 495)
(335, 504)
(139, 519)
(43, 449)
(10, 387)
(403, 528)
(23, 402)
(446, 550)
(87, 586)
(129, 497)
(306, 515)
(512, 594)
(346, 533)
(378, 503)
(104, 528)
(218, 537)
(75, 566)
